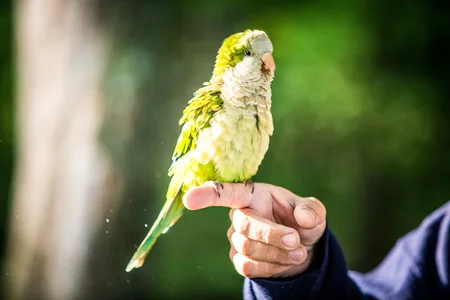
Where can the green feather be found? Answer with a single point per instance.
(170, 213)
(196, 117)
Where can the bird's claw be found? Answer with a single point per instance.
(216, 185)
(251, 184)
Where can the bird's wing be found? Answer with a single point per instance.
(196, 116)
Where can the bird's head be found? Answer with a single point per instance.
(248, 52)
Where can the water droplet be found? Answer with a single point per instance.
(107, 231)
(111, 210)
(146, 225)
(107, 220)
(128, 281)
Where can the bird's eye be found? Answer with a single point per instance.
(248, 53)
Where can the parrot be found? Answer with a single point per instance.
(226, 128)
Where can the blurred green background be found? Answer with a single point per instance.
(361, 115)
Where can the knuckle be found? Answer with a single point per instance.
(247, 268)
(261, 233)
(268, 234)
(231, 214)
(246, 247)
(232, 253)
(230, 233)
(241, 223)
(276, 255)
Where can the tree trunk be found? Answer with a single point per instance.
(61, 167)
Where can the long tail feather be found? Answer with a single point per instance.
(168, 216)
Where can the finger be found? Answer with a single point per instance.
(310, 215)
(232, 253)
(266, 253)
(253, 268)
(233, 195)
(256, 228)
(231, 214)
(230, 233)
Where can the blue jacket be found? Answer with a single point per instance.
(418, 267)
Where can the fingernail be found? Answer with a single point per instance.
(288, 240)
(296, 255)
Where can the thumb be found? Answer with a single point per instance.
(232, 195)
(310, 215)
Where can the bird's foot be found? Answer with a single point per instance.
(217, 185)
(251, 184)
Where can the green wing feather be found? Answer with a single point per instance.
(196, 116)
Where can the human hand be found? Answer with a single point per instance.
(273, 231)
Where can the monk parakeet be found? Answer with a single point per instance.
(226, 128)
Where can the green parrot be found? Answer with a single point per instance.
(226, 128)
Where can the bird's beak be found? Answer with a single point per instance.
(268, 62)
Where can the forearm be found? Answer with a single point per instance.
(416, 268)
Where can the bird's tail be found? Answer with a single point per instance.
(169, 215)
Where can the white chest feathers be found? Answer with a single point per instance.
(239, 134)
(236, 142)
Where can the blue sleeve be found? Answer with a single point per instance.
(418, 267)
